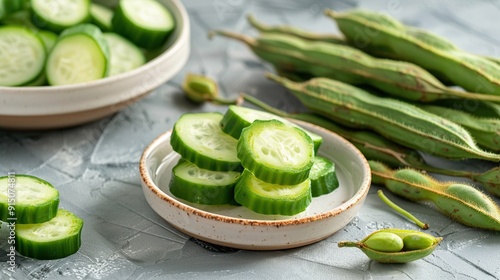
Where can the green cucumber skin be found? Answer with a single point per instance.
(324, 182)
(29, 214)
(152, 39)
(201, 193)
(262, 205)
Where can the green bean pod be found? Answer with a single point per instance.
(378, 31)
(350, 65)
(485, 131)
(396, 120)
(460, 202)
(483, 109)
(376, 147)
(395, 245)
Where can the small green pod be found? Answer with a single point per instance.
(401, 256)
(199, 88)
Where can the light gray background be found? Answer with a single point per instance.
(95, 166)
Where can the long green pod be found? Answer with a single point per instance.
(294, 31)
(483, 109)
(375, 147)
(486, 131)
(350, 65)
(399, 121)
(460, 202)
(379, 31)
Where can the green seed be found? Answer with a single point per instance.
(384, 242)
(417, 241)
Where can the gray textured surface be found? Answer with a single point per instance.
(95, 166)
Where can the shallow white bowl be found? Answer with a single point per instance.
(237, 226)
(61, 106)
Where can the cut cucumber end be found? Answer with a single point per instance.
(54, 239)
(23, 56)
(275, 152)
(56, 15)
(80, 55)
(35, 200)
(198, 138)
(124, 56)
(197, 185)
(272, 199)
(146, 23)
(323, 177)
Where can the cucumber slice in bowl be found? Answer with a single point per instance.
(54, 239)
(146, 23)
(34, 200)
(197, 185)
(101, 16)
(197, 137)
(79, 55)
(124, 56)
(237, 117)
(275, 152)
(57, 15)
(272, 199)
(323, 177)
(22, 56)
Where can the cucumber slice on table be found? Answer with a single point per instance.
(33, 200)
(57, 15)
(22, 56)
(197, 137)
(236, 118)
(146, 23)
(79, 55)
(275, 152)
(323, 177)
(101, 16)
(124, 56)
(54, 239)
(272, 199)
(203, 186)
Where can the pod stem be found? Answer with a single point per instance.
(283, 81)
(401, 211)
(348, 244)
(233, 35)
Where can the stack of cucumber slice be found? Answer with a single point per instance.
(42, 231)
(251, 158)
(53, 42)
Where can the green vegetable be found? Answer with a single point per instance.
(123, 55)
(197, 137)
(276, 153)
(398, 121)
(55, 15)
(460, 202)
(28, 199)
(323, 177)
(272, 199)
(395, 245)
(54, 239)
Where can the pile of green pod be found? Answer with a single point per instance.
(394, 96)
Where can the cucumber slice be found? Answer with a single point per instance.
(197, 185)
(323, 177)
(146, 23)
(124, 56)
(12, 6)
(101, 16)
(197, 137)
(22, 56)
(79, 55)
(34, 200)
(272, 199)
(275, 152)
(236, 118)
(54, 239)
(57, 15)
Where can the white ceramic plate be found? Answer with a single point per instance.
(237, 226)
(46, 107)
